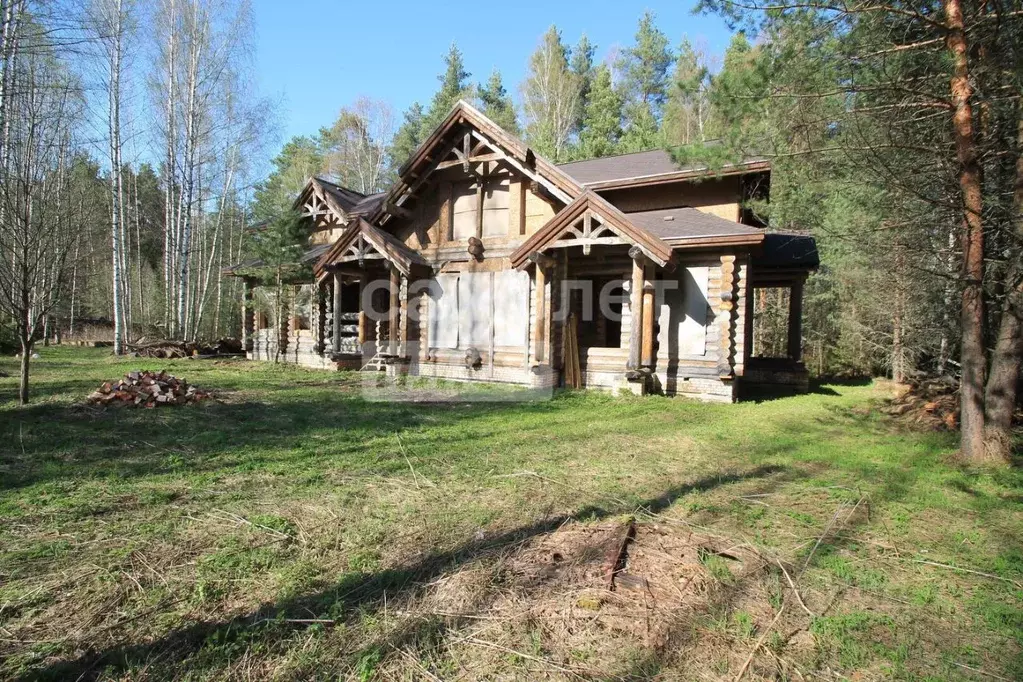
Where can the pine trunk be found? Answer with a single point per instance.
(972, 351)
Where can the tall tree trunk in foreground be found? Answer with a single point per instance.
(972, 351)
(1007, 357)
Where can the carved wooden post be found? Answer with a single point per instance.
(636, 309)
(319, 318)
(336, 331)
(726, 325)
(648, 316)
(795, 350)
(403, 322)
(392, 312)
(542, 265)
(248, 316)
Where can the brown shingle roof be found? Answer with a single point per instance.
(614, 169)
(673, 224)
(346, 198)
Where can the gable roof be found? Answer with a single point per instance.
(462, 118)
(650, 167)
(385, 244)
(653, 246)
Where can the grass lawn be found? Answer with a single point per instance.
(293, 530)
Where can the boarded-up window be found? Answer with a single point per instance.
(463, 211)
(511, 308)
(495, 207)
(684, 313)
(464, 216)
(444, 312)
(474, 310)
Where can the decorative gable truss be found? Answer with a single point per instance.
(362, 242)
(468, 139)
(318, 203)
(587, 222)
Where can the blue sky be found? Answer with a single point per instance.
(315, 56)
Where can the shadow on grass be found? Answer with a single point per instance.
(355, 595)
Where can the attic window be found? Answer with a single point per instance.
(465, 208)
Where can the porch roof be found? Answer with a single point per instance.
(361, 239)
(689, 226)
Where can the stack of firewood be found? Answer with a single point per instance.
(147, 389)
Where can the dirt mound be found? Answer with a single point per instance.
(147, 389)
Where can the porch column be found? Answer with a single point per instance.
(795, 351)
(248, 316)
(320, 318)
(724, 317)
(648, 316)
(403, 322)
(636, 309)
(392, 312)
(336, 331)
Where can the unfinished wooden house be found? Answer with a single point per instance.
(486, 262)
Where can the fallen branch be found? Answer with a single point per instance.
(969, 570)
(760, 642)
(794, 590)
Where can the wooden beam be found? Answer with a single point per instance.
(531, 174)
(392, 312)
(398, 211)
(648, 316)
(403, 321)
(335, 342)
(540, 328)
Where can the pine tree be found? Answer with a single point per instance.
(497, 105)
(299, 159)
(454, 85)
(582, 66)
(602, 120)
(409, 136)
(645, 82)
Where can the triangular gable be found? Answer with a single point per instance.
(463, 130)
(320, 199)
(361, 241)
(590, 220)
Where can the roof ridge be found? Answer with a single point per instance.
(613, 156)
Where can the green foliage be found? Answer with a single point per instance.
(279, 244)
(497, 105)
(454, 85)
(333, 520)
(602, 119)
(687, 109)
(299, 160)
(551, 97)
(409, 136)
(645, 65)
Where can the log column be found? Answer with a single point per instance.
(393, 311)
(725, 322)
(403, 322)
(795, 351)
(248, 316)
(636, 309)
(648, 316)
(336, 330)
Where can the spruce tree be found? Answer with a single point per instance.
(409, 136)
(497, 105)
(454, 85)
(581, 65)
(602, 120)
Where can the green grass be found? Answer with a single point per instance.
(294, 530)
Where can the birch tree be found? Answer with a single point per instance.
(551, 95)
